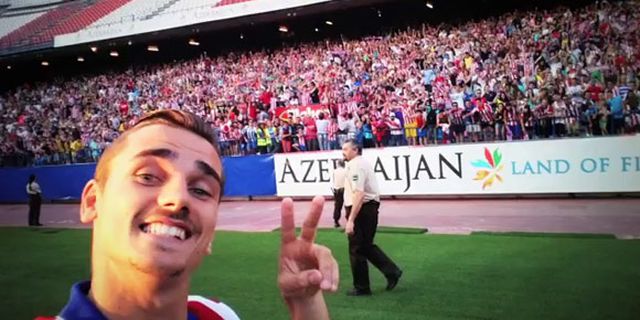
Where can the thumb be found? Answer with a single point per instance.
(296, 284)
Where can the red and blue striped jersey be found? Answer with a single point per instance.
(80, 307)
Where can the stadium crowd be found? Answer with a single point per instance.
(532, 75)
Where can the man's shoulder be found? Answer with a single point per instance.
(207, 309)
(359, 163)
(79, 306)
(199, 308)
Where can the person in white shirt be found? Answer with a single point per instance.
(396, 130)
(560, 116)
(362, 195)
(337, 182)
(322, 125)
(35, 201)
(351, 126)
(343, 128)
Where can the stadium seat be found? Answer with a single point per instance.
(66, 18)
(228, 2)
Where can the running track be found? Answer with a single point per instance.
(620, 217)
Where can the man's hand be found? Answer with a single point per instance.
(306, 269)
(348, 229)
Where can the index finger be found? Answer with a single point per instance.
(310, 225)
(287, 226)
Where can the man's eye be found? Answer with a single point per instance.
(200, 192)
(147, 179)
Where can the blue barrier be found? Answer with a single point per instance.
(249, 176)
(56, 182)
(245, 176)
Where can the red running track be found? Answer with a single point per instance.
(620, 217)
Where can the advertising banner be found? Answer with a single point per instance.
(587, 165)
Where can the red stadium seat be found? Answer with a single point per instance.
(228, 2)
(67, 18)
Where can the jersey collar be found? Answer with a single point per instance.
(79, 307)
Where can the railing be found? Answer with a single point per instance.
(66, 182)
(560, 166)
(540, 129)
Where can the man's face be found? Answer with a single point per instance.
(158, 208)
(349, 152)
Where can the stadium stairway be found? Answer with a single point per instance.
(29, 33)
(67, 18)
(9, 23)
(160, 9)
(85, 17)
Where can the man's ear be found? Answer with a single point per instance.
(88, 206)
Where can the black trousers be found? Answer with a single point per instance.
(35, 200)
(369, 143)
(338, 202)
(362, 248)
(312, 144)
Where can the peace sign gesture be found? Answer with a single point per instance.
(306, 269)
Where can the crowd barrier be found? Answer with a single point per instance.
(560, 166)
(245, 176)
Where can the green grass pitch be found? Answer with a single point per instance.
(481, 276)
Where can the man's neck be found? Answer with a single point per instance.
(138, 295)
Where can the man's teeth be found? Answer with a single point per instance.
(165, 230)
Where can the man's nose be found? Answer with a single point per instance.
(174, 196)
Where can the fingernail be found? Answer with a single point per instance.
(326, 285)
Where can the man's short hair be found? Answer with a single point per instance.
(174, 118)
(354, 144)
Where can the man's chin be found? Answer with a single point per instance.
(159, 266)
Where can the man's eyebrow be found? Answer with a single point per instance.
(160, 153)
(170, 154)
(208, 170)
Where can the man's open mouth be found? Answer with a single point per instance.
(161, 229)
